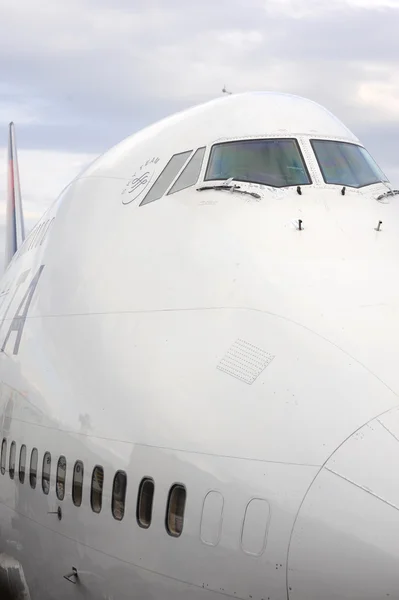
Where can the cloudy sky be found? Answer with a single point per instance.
(76, 76)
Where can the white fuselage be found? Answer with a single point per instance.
(204, 339)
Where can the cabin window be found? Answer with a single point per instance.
(13, 452)
(175, 510)
(77, 485)
(97, 482)
(33, 468)
(3, 455)
(22, 463)
(46, 472)
(272, 162)
(61, 476)
(255, 526)
(212, 518)
(189, 175)
(166, 178)
(118, 495)
(144, 503)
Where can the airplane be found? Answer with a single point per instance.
(199, 366)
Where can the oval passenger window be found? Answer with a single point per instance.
(77, 484)
(144, 503)
(175, 510)
(46, 472)
(61, 476)
(33, 468)
(13, 452)
(97, 482)
(22, 463)
(118, 495)
(3, 456)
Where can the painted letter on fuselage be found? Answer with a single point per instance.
(21, 279)
(18, 322)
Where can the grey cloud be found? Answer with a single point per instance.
(345, 34)
(88, 137)
(98, 70)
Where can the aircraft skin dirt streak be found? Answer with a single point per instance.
(238, 342)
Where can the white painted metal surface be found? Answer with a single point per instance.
(118, 364)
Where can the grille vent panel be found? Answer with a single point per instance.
(245, 361)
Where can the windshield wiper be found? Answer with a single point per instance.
(230, 188)
(387, 194)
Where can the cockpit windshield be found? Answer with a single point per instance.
(276, 162)
(342, 163)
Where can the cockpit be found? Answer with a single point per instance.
(277, 162)
(280, 163)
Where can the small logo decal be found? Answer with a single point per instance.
(139, 181)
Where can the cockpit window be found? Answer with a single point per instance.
(166, 178)
(342, 163)
(276, 162)
(191, 172)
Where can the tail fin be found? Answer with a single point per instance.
(15, 228)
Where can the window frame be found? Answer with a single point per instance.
(36, 453)
(170, 191)
(143, 482)
(47, 453)
(260, 139)
(97, 512)
(174, 487)
(120, 472)
(22, 473)
(3, 463)
(57, 478)
(12, 459)
(354, 187)
(189, 156)
(80, 463)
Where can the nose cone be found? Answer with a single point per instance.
(345, 543)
